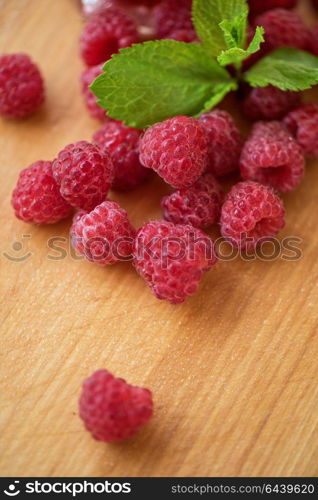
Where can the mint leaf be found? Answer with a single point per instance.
(285, 68)
(236, 55)
(220, 24)
(155, 80)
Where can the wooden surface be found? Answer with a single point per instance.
(233, 370)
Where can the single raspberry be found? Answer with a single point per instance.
(313, 44)
(36, 197)
(269, 103)
(198, 205)
(21, 86)
(122, 143)
(260, 6)
(84, 174)
(225, 142)
(172, 15)
(104, 34)
(272, 156)
(303, 124)
(188, 35)
(87, 77)
(251, 212)
(172, 259)
(111, 409)
(176, 149)
(283, 28)
(104, 235)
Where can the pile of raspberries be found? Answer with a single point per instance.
(192, 155)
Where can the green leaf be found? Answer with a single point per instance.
(152, 81)
(236, 55)
(285, 68)
(220, 24)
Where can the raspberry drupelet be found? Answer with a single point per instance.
(36, 197)
(111, 409)
(21, 86)
(172, 259)
(105, 33)
(104, 235)
(251, 212)
(84, 174)
(269, 103)
(283, 28)
(260, 6)
(87, 77)
(177, 149)
(171, 16)
(198, 205)
(224, 142)
(303, 124)
(272, 156)
(122, 143)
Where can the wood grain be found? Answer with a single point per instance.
(233, 370)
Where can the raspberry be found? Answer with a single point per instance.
(269, 103)
(83, 174)
(122, 143)
(313, 44)
(188, 35)
(272, 156)
(198, 205)
(225, 142)
(105, 235)
(172, 15)
(172, 259)
(111, 409)
(283, 28)
(36, 197)
(260, 6)
(21, 86)
(251, 212)
(87, 77)
(303, 124)
(104, 34)
(176, 149)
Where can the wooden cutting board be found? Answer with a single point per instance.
(233, 370)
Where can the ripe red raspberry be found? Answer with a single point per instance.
(188, 35)
(259, 6)
(84, 174)
(122, 143)
(269, 103)
(104, 235)
(104, 34)
(251, 212)
(198, 205)
(225, 142)
(21, 86)
(313, 44)
(272, 156)
(172, 15)
(36, 197)
(176, 149)
(283, 28)
(172, 259)
(303, 124)
(87, 77)
(111, 409)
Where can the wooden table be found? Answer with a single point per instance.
(233, 370)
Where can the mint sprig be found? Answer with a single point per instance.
(152, 81)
